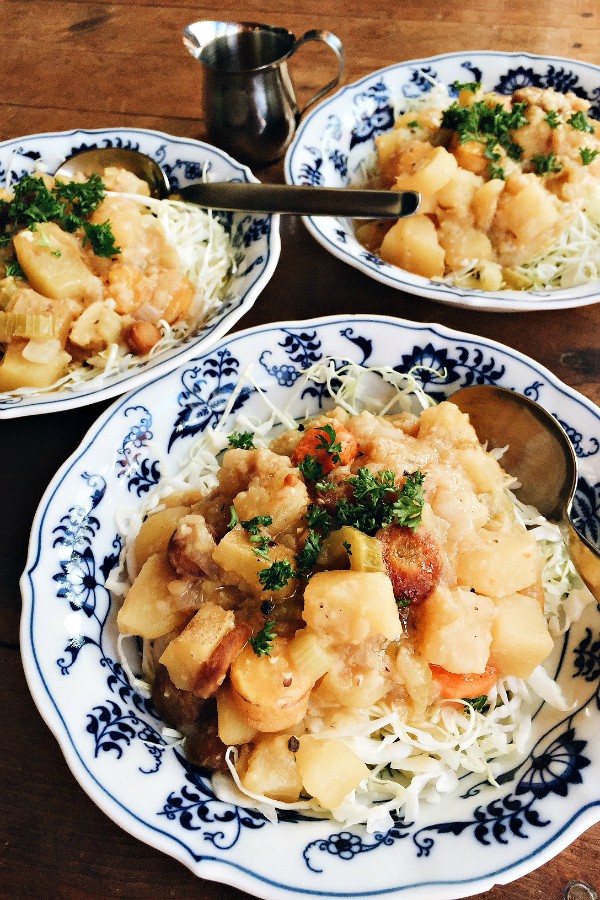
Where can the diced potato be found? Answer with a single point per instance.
(498, 562)
(485, 202)
(150, 609)
(358, 687)
(235, 555)
(412, 244)
(187, 653)
(454, 629)
(471, 156)
(96, 328)
(371, 233)
(52, 262)
(272, 770)
(429, 174)
(329, 769)
(462, 244)
(528, 213)
(233, 728)
(16, 371)
(270, 692)
(155, 533)
(520, 636)
(459, 191)
(275, 489)
(350, 607)
(483, 469)
(446, 420)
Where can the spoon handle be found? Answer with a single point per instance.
(301, 200)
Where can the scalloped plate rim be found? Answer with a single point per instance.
(209, 866)
(39, 404)
(507, 301)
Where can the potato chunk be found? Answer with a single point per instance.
(272, 770)
(154, 534)
(16, 371)
(150, 609)
(52, 262)
(412, 244)
(187, 653)
(235, 555)
(498, 562)
(350, 606)
(96, 328)
(520, 636)
(454, 629)
(329, 769)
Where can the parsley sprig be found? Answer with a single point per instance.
(259, 539)
(489, 124)
(544, 164)
(262, 642)
(67, 204)
(276, 576)
(241, 440)
(587, 155)
(378, 501)
(580, 122)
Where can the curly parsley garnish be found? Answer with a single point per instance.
(379, 501)
(261, 644)
(580, 122)
(260, 540)
(544, 164)
(307, 557)
(489, 124)
(14, 270)
(241, 440)
(588, 155)
(311, 468)
(101, 239)
(67, 204)
(276, 576)
(479, 704)
(552, 118)
(472, 86)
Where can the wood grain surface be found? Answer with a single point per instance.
(93, 64)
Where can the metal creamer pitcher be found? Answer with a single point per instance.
(248, 95)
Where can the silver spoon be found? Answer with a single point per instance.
(540, 455)
(248, 196)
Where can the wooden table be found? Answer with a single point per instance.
(75, 64)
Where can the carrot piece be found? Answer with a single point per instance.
(330, 447)
(454, 686)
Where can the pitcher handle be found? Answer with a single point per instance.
(338, 48)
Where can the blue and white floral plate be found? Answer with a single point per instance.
(109, 734)
(333, 143)
(254, 239)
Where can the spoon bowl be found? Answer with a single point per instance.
(540, 456)
(246, 196)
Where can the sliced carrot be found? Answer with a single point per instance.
(329, 446)
(453, 686)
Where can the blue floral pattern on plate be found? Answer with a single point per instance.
(110, 733)
(254, 239)
(336, 141)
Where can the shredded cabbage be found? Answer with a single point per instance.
(410, 763)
